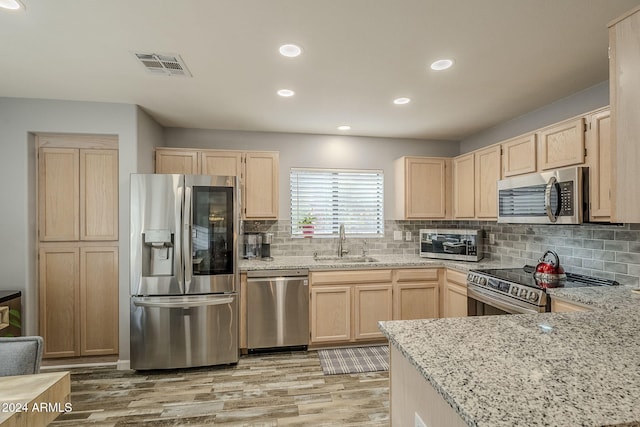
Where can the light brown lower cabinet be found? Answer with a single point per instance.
(330, 314)
(455, 294)
(347, 305)
(560, 306)
(416, 293)
(78, 290)
(371, 304)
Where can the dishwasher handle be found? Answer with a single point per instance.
(266, 274)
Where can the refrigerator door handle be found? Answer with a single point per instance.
(187, 239)
(183, 303)
(179, 239)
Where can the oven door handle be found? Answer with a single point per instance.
(497, 301)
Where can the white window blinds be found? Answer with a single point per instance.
(322, 199)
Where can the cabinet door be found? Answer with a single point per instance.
(561, 306)
(463, 186)
(624, 84)
(425, 188)
(415, 301)
(455, 294)
(562, 144)
(487, 173)
(372, 303)
(58, 194)
(599, 162)
(99, 300)
(225, 163)
(330, 313)
(177, 161)
(98, 194)
(59, 301)
(519, 155)
(261, 185)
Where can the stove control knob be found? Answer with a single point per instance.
(514, 291)
(522, 293)
(483, 281)
(533, 296)
(470, 277)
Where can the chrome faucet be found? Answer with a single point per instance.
(342, 238)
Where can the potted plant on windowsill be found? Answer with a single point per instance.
(306, 224)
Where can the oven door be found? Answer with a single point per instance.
(483, 302)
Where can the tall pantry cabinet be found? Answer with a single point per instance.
(78, 244)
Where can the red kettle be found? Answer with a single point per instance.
(549, 272)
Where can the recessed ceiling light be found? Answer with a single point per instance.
(286, 93)
(344, 127)
(290, 50)
(442, 64)
(11, 4)
(401, 101)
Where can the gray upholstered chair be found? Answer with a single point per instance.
(20, 355)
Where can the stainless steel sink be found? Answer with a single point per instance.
(345, 259)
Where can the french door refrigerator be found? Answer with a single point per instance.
(184, 273)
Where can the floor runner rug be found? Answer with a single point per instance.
(354, 360)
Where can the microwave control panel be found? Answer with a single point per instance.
(566, 198)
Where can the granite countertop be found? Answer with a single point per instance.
(382, 261)
(549, 369)
(600, 297)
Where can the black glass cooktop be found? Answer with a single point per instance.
(524, 276)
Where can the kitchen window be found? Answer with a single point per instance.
(322, 199)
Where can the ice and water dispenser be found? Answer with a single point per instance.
(157, 253)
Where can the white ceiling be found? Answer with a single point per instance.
(512, 56)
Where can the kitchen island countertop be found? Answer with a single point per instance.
(549, 369)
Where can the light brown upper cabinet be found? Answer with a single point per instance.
(225, 163)
(423, 187)
(487, 174)
(624, 81)
(598, 145)
(562, 144)
(59, 194)
(178, 161)
(259, 174)
(464, 186)
(78, 194)
(261, 185)
(519, 155)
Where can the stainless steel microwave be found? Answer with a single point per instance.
(456, 244)
(554, 197)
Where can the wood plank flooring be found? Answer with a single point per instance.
(277, 389)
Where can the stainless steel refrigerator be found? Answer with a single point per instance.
(184, 272)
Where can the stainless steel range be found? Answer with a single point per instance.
(516, 290)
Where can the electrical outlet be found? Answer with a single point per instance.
(407, 236)
(397, 235)
(418, 421)
(492, 239)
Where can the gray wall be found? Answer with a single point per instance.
(20, 120)
(581, 102)
(302, 150)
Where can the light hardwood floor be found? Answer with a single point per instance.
(278, 389)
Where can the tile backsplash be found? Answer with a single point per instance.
(603, 250)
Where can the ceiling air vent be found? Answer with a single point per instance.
(165, 64)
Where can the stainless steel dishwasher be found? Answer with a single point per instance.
(277, 309)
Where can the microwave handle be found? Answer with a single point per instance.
(553, 216)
